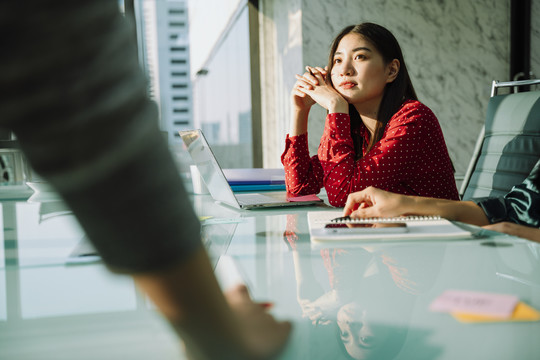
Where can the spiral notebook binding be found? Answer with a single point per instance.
(348, 220)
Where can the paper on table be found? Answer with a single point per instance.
(477, 303)
(418, 228)
(522, 312)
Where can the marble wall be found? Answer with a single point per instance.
(453, 49)
(281, 46)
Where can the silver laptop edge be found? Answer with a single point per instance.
(215, 180)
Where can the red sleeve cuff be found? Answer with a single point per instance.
(295, 147)
(296, 139)
(338, 125)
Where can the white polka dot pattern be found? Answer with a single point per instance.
(411, 158)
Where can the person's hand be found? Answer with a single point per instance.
(264, 336)
(313, 312)
(321, 310)
(313, 86)
(522, 231)
(373, 202)
(300, 100)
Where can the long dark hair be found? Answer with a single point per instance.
(395, 93)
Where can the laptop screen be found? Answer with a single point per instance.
(206, 162)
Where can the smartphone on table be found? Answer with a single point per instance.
(367, 228)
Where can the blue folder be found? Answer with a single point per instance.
(250, 179)
(258, 187)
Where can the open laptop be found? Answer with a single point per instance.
(219, 187)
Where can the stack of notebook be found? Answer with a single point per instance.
(330, 226)
(255, 179)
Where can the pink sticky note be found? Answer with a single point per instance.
(472, 302)
(304, 198)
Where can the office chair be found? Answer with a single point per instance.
(509, 143)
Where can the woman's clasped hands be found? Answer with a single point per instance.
(311, 88)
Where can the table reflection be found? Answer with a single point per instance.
(368, 288)
(37, 281)
(352, 301)
(49, 268)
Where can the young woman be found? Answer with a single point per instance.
(376, 134)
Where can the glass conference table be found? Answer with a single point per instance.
(356, 300)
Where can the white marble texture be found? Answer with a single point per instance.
(453, 50)
(280, 25)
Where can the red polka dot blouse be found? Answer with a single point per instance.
(411, 158)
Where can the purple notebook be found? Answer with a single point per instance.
(256, 176)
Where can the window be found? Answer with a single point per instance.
(223, 96)
(163, 41)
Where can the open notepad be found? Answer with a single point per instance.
(417, 228)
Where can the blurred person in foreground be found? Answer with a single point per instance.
(516, 213)
(75, 97)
